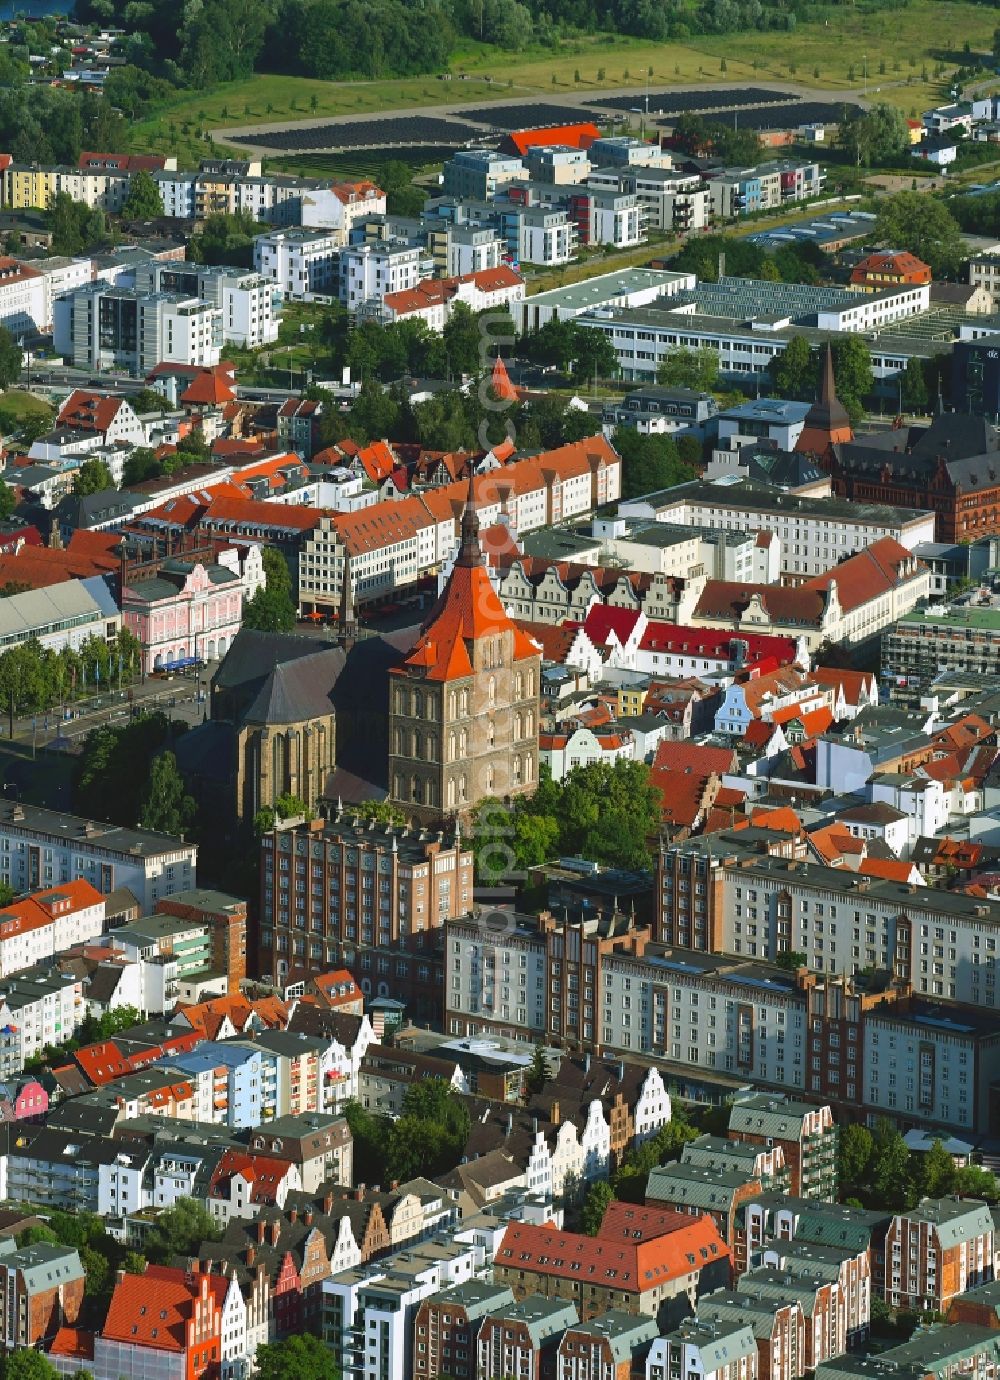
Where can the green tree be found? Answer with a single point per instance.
(272, 609)
(937, 1172)
(166, 806)
(973, 1181)
(143, 201)
(594, 355)
(429, 1136)
(914, 386)
(302, 1357)
(793, 372)
(288, 806)
(378, 812)
(97, 1272)
(141, 464)
(649, 462)
(791, 960)
(599, 1195)
(464, 340)
(538, 1074)
(889, 1174)
(370, 1134)
(180, 1230)
(854, 1155)
(27, 1364)
(8, 501)
(93, 477)
(684, 368)
(11, 359)
(923, 225)
(874, 136)
(852, 363)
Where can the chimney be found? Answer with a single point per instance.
(251, 1254)
(359, 1193)
(307, 1217)
(555, 1114)
(275, 1232)
(261, 1229)
(393, 1185)
(293, 1215)
(328, 1202)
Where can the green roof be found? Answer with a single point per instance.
(718, 1345)
(768, 1283)
(965, 616)
(542, 1317)
(695, 1185)
(624, 1332)
(957, 1220)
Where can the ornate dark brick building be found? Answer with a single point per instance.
(463, 706)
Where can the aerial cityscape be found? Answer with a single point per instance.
(499, 690)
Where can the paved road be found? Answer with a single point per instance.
(182, 698)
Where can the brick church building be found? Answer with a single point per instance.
(463, 706)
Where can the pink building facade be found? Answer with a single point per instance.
(188, 610)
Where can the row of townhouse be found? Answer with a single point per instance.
(45, 922)
(218, 187)
(391, 545)
(709, 1003)
(152, 1158)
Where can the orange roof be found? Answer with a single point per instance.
(37, 567)
(893, 263)
(889, 869)
(154, 1309)
(207, 1017)
(833, 841)
(71, 1342)
(209, 389)
(631, 1266)
(338, 987)
(852, 683)
(265, 1175)
(500, 382)
(579, 136)
(555, 641)
(469, 609)
(814, 721)
(782, 819)
(21, 917)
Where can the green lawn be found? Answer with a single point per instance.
(20, 404)
(818, 56)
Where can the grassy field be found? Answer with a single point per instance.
(819, 56)
(20, 404)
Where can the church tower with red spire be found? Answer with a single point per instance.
(463, 706)
(826, 423)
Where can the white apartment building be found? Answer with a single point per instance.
(340, 205)
(47, 922)
(473, 249)
(814, 533)
(300, 263)
(984, 272)
(372, 271)
(249, 303)
(37, 1010)
(391, 544)
(23, 298)
(60, 276)
(42, 848)
(102, 327)
(546, 237)
(617, 220)
(720, 1350)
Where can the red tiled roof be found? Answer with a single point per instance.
(153, 1310)
(89, 411)
(714, 644)
(628, 1266)
(73, 1343)
(604, 619)
(555, 641)
(851, 682)
(813, 721)
(208, 390)
(863, 577)
(501, 384)
(888, 869)
(264, 1175)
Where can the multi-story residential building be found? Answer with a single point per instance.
(23, 299)
(937, 1250)
(102, 327)
(477, 174)
(611, 1347)
(819, 1299)
(374, 901)
(778, 1328)
(807, 1135)
(523, 1338)
(248, 301)
(446, 1329)
(39, 1008)
(42, 1291)
(165, 1322)
(984, 272)
(956, 637)
(655, 410)
(46, 922)
(374, 270)
(225, 919)
(815, 533)
(723, 1349)
(659, 1276)
(44, 848)
(389, 546)
(845, 1273)
(701, 1190)
(300, 263)
(340, 205)
(463, 706)
(547, 237)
